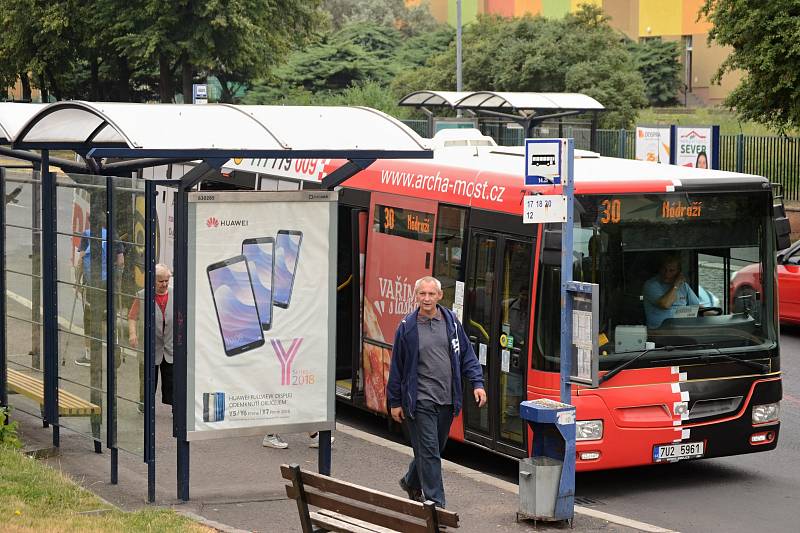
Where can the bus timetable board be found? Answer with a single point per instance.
(584, 349)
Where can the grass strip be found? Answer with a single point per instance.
(38, 498)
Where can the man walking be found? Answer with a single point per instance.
(431, 352)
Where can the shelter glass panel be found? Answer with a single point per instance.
(80, 253)
(129, 233)
(23, 321)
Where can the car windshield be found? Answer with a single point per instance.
(675, 270)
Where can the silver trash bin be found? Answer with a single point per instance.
(539, 478)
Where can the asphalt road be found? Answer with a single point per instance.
(746, 493)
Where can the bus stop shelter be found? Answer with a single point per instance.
(112, 209)
(527, 109)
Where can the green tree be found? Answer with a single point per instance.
(110, 49)
(40, 38)
(357, 53)
(766, 48)
(234, 40)
(579, 53)
(657, 62)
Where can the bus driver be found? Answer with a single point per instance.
(667, 291)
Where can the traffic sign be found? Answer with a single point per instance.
(199, 93)
(543, 161)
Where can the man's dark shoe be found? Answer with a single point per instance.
(413, 494)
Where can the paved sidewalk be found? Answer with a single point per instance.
(236, 483)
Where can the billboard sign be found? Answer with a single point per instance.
(653, 144)
(694, 147)
(261, 323)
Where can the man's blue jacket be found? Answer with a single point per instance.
(402, 386)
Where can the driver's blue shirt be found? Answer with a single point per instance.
(654, 289)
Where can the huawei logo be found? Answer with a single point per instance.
(214, 222)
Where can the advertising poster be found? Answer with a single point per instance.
(401, 252)
(652, 144)
(694, 147)
(261, 321)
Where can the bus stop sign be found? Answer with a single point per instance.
(543, 161)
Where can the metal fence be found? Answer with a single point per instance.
(774, 157)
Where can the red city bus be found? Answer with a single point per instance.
(708, 386)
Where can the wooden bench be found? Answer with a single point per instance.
(350, 508)
(68, 403)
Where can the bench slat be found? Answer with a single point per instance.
(68, 404)
(370, 496)
(345, 524)
(352, 508)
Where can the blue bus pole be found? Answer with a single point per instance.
(567, 189)
(565, 502)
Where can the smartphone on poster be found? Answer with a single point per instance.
(235, 305)
(287, 254)
(260, 258)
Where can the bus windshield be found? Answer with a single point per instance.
(687, 270)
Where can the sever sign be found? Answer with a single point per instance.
(542, 161)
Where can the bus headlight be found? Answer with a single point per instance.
(588, 430)
(769, 412)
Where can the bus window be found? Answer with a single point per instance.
(448, 264)
(548, 320)
(710, 236)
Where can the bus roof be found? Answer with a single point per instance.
(492, 177)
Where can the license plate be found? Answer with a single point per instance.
(676, 452)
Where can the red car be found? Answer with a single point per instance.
(747, 282)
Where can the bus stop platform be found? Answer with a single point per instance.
(236, 483)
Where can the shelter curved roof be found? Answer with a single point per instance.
(13, 116)
(433, 98)
(214, 127)
(529, 101)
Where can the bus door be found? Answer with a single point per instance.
(352, 229)
(399, 252)
(496, 319)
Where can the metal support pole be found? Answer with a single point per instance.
(715, 148)
(459, 81)
(36, 268)
(179, 347)
(622, 140)
(324, 452)
(94, 281)
(593, 133)
(740, 153)
(566, 274)
(3, 381)
(673, 145)
(147, 307)
(566, 493)
(111, 337)
(50, 295)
